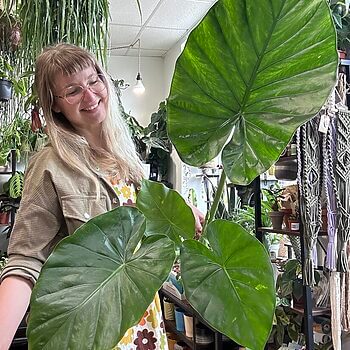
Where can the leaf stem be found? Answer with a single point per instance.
(213, 209)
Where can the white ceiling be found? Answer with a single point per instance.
(164, 23)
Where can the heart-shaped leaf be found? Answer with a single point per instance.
(166, 211)
(231, 285)
(87, 299)
(250, 74)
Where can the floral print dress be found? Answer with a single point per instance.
(149, 333)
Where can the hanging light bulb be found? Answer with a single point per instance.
(139, 88)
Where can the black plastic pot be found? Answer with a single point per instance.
(5, 89)
(286, 168)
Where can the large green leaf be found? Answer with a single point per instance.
(231, 285)
(87, 299)
(165, 211)
(250, 74)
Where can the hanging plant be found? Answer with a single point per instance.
(10, 31)
(84, 23)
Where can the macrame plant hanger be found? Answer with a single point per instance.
(310, 187)
(342, 180)
(329, 156)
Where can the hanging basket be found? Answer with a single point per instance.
(286, 168)
(5, 89)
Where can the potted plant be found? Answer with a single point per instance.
(5, 82)
(274, 196)
(152, 142)
(208, 112)
(18, 135)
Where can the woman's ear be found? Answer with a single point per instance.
(55, 108)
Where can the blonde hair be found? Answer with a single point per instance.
(118, 158)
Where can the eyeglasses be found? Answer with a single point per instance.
(75, 93)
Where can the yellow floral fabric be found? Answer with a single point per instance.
(149, 333)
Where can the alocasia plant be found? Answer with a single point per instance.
(250, 74)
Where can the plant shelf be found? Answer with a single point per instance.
(319, 311)
(285, 231)
(171, 327)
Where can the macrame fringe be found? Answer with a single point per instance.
(345, 298)
(309, 279)
(343, 264)
(335, 309)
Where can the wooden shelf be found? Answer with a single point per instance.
(171, 327)
(281, 231)
(184, 305)
(320, 311)
(285, 232)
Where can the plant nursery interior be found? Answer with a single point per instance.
(235, 232)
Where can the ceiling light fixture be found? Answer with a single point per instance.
(139, 88)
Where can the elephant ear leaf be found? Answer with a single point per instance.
(242, 307)
(251, 73)
(89, 298)
(165, 211)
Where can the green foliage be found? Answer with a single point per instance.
(19, 136)
(165, 212)
(152, 142)
(16, 184)
(246, 216)
(235, 308)
(154, 135)
(248, 77)
(341, 18)
(89, 302)
(3, 262)
(289, 285)
(273, 196)
(83, 23)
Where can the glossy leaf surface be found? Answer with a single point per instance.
(166, 211)
(232, 285)
(89, 298)
(250, 74)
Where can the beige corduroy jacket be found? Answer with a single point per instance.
(56, 201)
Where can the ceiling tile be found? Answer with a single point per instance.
(122, 35)
(179, 14)
(117, 52)
(161, 39)
(146, 53)
(127, 12)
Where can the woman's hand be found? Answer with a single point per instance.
(199, 218)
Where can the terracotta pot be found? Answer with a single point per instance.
(276, 219)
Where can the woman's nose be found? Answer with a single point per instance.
(88, 95)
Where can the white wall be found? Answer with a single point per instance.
(156, 74)
(142, 106)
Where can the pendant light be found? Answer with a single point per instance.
(139, 88)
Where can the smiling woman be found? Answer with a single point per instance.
(89, 167)
(83, 101)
